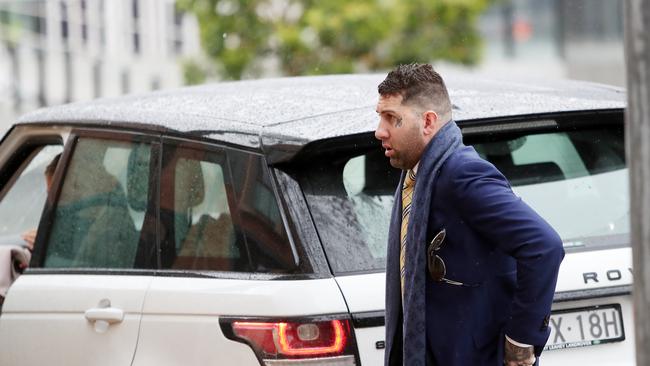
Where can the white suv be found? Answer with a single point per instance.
(245, 223)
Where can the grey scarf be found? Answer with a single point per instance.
(443, 144)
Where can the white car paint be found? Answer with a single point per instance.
(43, 321)
(575, 265)
(180, 322)
(367, 339)
(365, 293)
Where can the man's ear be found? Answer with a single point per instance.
(430, 123)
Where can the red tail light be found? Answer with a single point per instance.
(328, 341)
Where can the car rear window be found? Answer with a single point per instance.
(576, 178)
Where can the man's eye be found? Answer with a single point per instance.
(391, 119)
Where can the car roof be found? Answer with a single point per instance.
(287, 113)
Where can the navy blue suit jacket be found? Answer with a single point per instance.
(493, 241)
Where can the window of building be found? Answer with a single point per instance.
(125, 81)
(102, 22)
(177, 38)
(84, 20)
(135, 14)
(64, 20)
(27, 15)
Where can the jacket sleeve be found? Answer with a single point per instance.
(488, 204)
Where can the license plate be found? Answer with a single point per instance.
(585, 327)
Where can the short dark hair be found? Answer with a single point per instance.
(417, 83)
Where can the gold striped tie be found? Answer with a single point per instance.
(407, 196)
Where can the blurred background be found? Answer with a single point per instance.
(61, 51)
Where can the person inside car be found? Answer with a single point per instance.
(30, 236)
(15, 258)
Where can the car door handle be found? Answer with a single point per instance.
(104, 317)
(110, 315)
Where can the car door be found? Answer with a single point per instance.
(226, 257)
(26, 159)
(80, 302)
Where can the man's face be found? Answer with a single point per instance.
(400, 130)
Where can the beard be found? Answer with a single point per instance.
(406, 158)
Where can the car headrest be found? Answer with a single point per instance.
(137, 178)
(497, 148)
(536, 173)
(190, 189)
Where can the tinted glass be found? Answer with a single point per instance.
(22, 202)
(97, 222)
(350, 198)
(577, 180)
(215, 220)
(260, 219)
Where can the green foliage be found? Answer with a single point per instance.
(335, 36)
(193, 73)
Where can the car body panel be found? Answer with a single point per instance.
(363, 292)
(183, 314)
(595, 269)
(217, 297)
(370, 343)
(366, 293)
(48, 312)
(188, 340)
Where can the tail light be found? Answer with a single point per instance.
(313, 342)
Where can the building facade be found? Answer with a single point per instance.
(575, 39)
(61, 51)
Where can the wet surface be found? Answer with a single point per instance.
(294, 111)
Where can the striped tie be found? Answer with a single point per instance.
(407, 196)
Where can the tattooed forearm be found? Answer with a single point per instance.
(519, 355)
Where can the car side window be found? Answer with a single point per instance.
(23, 197)
(99, 213)
(215, 220)
(204, 235)
(260, 219)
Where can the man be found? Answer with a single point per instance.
(471, 269)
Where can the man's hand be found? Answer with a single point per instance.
(518, 356)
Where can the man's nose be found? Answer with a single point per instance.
(381, 133)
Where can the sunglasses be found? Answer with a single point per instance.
(435, 264)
